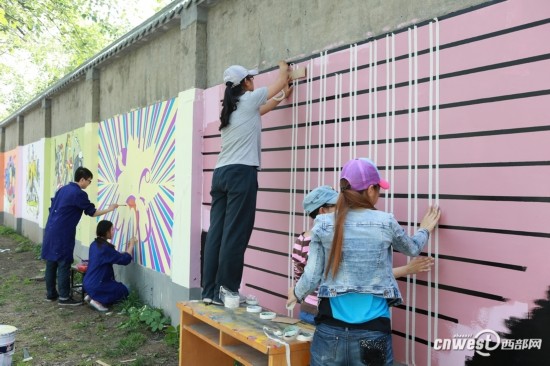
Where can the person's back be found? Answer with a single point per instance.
(66, 210)
(102, 256)
(351, 257)
(369, 236)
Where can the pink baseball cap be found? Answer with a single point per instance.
(362, 173)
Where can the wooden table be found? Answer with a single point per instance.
(213, 335)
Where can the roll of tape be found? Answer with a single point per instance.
(253, 309)
(267, 315)
(305, 337)
(290, 332)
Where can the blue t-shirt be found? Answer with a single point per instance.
(356, 308)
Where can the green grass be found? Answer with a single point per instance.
(132, 301)
(129, 343)
(24, 244)
(81, 325)
(111, 343)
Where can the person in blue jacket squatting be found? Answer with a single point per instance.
(68, 204)
(99, 281)
(350, 256)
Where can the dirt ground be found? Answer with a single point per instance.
(73, 335)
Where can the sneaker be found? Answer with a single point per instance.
(51, 299)
(88, 299)
(98, 306)
(69, 302)
(217, 301)
(207, 301)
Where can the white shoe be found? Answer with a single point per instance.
(98, 306)
(87, 299)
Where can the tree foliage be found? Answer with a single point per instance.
(42, 40)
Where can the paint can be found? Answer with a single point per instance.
(254, 309)
(230, 299)
(7, 344)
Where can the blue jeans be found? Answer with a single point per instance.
(234, 190)
(307, 317)
(333, 346)
(60, 270)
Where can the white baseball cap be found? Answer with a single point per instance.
(236, 73)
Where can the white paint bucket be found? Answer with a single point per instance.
(7, 344)
(230, 299)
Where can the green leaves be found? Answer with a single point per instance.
(154, 318)
(41, 41)
(172, 335)
(3, 20)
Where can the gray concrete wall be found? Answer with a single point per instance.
(12, 137)
(34, 127)
(71, 108)
(32, 231)
(259, 33)
(9, 220)
(145, 75)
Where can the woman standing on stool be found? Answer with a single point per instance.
(99, 281)
(235, 179)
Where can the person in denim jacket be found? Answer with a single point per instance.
(350, 259)
(322, 200)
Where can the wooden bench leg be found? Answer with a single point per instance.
(77, 287)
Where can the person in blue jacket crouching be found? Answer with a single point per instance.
(99, 282)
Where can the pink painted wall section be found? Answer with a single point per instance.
(2, 186)
(454, 112)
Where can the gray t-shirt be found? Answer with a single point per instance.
(241, 139)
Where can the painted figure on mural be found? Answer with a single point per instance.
(33, 182)
(350, 259)
(68, 158)
(68, 204)
(234, 183)
(322, 200)
(9, 184)
(99, 282)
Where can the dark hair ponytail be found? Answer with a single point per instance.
(347, 199)
(229, 104)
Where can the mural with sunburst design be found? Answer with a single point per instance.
(137, 169)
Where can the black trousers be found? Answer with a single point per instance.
(234, 190)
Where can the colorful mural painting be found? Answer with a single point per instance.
(454, 112)
(136, 169)
(10, 182)
(68, 157)
(33, 178)
(438, 106)
(2, 188)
